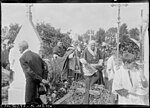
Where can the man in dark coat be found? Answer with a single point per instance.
(33, 68)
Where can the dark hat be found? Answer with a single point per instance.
(129, 46)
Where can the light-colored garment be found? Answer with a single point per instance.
(111, 68)
(16, 92)
(92, 58)
(135, 89)
(12, 57)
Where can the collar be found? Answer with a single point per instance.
(25, 51)
(92, 52)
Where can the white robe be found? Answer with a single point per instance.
(16, 91)
(122, 80)
(111, 68)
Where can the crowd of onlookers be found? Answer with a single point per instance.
(122, 76)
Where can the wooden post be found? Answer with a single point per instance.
(29, 11)
(87, 87)
(141, 37)
(119, 6)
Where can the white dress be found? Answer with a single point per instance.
(16, 91)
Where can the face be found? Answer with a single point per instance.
(92, 46)
(128, 60)
(21, 49)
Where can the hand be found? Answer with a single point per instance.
(44, 81)
(142, 74)
(123, 92)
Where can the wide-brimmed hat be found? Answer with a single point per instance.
(129, 48)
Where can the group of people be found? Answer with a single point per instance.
(80, 64)
(123, 75)
(126, 76)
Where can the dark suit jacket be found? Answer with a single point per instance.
(33, 67)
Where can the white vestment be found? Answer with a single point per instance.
(16, 91)
(134, 87)
(111, 68)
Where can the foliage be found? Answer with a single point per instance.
(134, 33)
(80, 38)
(86, 37)
(10, 32)
(87, 34)
(100, 36)
(51, 36)
(123, 32)
(111, 36)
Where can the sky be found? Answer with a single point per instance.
(76, 16)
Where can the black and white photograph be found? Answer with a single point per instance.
(75, 53)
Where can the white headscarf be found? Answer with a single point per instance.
(89, 47)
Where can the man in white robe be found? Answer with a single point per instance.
(129, 81)
(111, 68)
(129, 91)
(16, 91)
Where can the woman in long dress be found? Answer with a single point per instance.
(16, 91)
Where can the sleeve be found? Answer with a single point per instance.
(117, 82)
(100, 54)
(84, 55)
(11, 57)
(108, 69)
(45, 69)
(55, 50)
(141, 83)
(25, 64)
(71, 55)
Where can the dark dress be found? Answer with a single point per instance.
(33, 68)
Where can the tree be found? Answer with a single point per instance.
(51, 36)
(10, 32)
(100, 36)
(111, 36)
(80, 38)
(5, 31)
(66, 40)
(123, 32)
(134, 33)
(86, 37)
